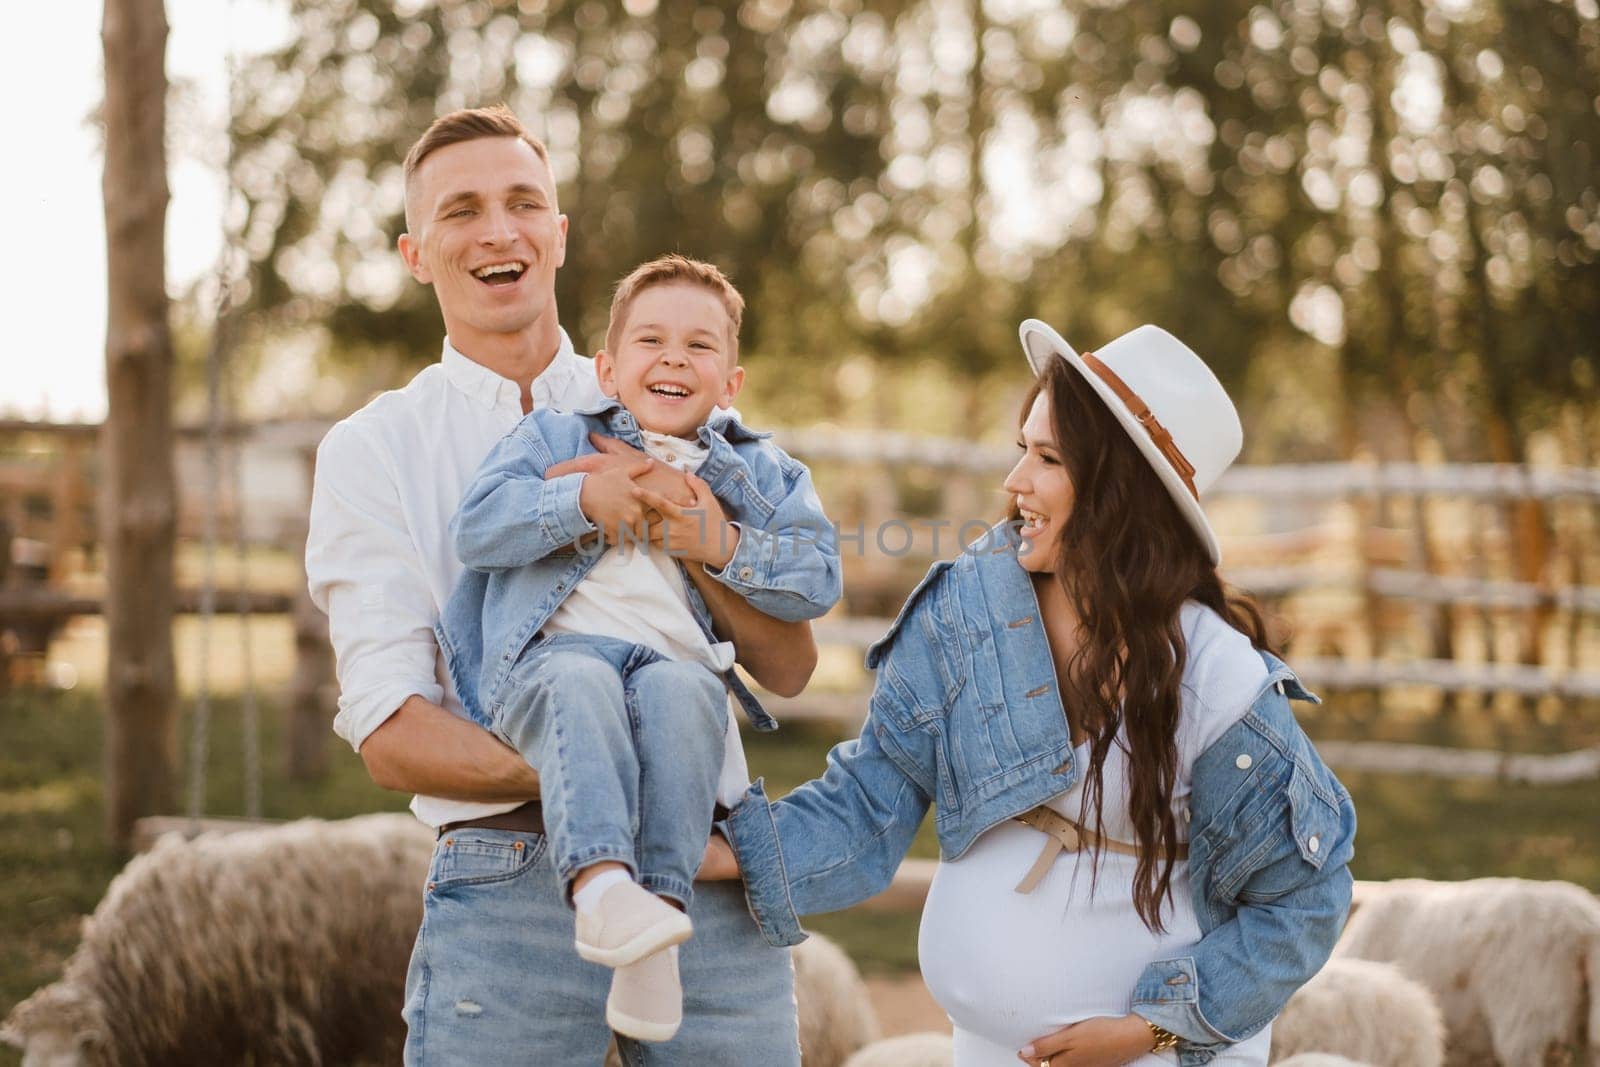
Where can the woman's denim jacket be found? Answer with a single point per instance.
(527, 544)
(965, 716)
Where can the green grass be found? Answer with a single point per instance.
(57, 861)
(53, 845)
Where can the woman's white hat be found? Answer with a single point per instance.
(1169, 402)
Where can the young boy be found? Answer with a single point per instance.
(599, 665)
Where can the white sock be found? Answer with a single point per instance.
(588, 898)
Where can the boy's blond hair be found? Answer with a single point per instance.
(669, 270)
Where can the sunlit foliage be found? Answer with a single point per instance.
(1398, 199)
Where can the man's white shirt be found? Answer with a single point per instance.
(379, 559)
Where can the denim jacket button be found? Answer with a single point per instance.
(746, 573)
(1244, 761)
(1314, 843)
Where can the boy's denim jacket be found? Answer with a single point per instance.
(527, 544)
(965, 715)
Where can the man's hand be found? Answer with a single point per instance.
(699, 532)
(719, 864)
(607, 499)
(1105, 1041)
(603, 504)
(660, 478)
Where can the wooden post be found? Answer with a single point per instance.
(312, 688)
(139, 505)
(6, 637)
(66, 506)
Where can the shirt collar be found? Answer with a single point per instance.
(721, 421)
(725, 421)
(491, 389)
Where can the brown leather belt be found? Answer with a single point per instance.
(1064, 835)
(525, 818)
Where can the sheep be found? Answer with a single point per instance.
(289, 944)
(1367, 1011)
(836, 1013)
(1318, 1059)
(286, 944)
(1514, 964)
(926, 1048)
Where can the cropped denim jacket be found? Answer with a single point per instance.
(527, 544)
(965, 715)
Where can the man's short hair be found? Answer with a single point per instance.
(470, 124)
(674, 270)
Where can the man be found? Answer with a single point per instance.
(494, 976)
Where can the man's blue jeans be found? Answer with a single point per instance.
(629, 747)
(494, 978)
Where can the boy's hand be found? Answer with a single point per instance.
(607, 499)
(700, 532)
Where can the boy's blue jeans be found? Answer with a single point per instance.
(629, 747)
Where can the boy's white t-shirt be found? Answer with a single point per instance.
(636, 593)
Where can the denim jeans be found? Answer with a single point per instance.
(494, 977)
(628, 745)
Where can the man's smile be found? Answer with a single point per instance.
(507, 272)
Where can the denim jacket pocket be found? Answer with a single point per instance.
(1291, 849)
(757, 508)
(917, 739)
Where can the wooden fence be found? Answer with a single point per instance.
(1461, 579)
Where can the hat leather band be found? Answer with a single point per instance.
(1141, 411)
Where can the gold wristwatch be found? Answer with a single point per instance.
(1165, 1038)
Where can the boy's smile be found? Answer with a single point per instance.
(674, 360)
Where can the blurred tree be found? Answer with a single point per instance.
(1357, 204)
(728, 130)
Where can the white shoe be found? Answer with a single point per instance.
(627, 924)
(646, 1000)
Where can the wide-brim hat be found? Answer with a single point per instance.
(1167, 399)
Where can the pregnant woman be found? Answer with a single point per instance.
(1142, 854)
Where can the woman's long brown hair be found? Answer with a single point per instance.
(1128, 562)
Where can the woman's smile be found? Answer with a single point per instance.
(1040, 489)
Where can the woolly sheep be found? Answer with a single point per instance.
(836, 1013)
(1368, 1011)
(1513, 964)
(286, 944)
(926, 1048)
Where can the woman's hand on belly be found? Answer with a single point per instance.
(1102, 1042)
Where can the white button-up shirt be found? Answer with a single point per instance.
(379, 559)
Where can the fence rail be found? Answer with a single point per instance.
(1463, 568)
(1523, 679)
(1287, 480)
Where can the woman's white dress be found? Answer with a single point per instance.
(1009, 967)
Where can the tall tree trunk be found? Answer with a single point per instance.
(138, 509)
